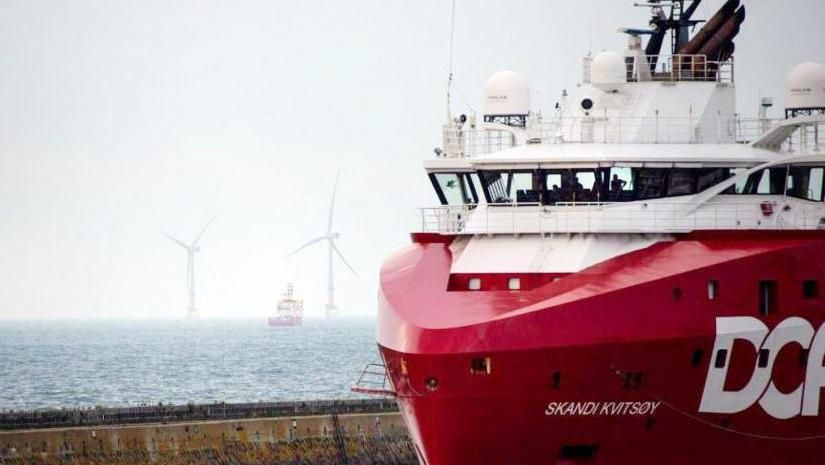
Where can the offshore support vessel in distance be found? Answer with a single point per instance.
(290, 311)
(636, 279)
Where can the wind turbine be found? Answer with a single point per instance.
(192, 312)
(329, 237)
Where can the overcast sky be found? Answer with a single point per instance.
(119, 118)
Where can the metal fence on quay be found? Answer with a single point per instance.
(101, 416)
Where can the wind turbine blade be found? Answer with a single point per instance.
(176, 241)
(341, 256)
(195, 242)
(332, 205)
(317, 239)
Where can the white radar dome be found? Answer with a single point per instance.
(506, 93)
(805, 87)
(608, 68)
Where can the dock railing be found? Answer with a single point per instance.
(99, 416)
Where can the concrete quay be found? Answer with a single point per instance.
(371, 437)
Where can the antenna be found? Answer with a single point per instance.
(450, 76)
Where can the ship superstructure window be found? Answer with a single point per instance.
(681, 182)
(650, 183)
(810, 289)
(476, 187)
(551, 186)
(805, 182)
(474, 284)
(568, 185)
(480, 366)
(512, 186)
(770, 181)
(514, 284)
(767, 297)
(709, 177)
(713, 289)
(454, 188)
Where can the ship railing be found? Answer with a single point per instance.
(374, 380)
(649, 130)
(595, 129)
(673, 68)
(466, 142)
(641, 217)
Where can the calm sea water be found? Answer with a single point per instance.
(69, 364)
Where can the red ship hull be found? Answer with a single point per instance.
(280, 321)
(607, 365)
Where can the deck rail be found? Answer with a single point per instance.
(639, 217)
(595, 129)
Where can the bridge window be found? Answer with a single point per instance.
(568, 185)
(805, 182)
(682, 182)
(615, 184)
(454, 188)
(512, 186)
(770, 181)
(620, 184)
(708, 177)
(650, 183)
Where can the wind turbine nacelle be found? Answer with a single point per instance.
(334, 235)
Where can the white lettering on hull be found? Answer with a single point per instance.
(802, 400)
(604, 409)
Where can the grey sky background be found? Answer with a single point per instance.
(119, 118)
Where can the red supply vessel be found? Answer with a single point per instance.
(634, 279)
(290, 309)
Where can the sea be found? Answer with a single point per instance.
(69, 364)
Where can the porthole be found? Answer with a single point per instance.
(810, 289)
(696, 360)
(677, 293)
(514, 284)
(474, 284)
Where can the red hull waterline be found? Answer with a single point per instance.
(625, 362)
(286, 321)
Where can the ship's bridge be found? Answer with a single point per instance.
(777, 182)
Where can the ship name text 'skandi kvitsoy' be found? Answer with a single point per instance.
(635, 279)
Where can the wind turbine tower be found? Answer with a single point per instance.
(191, 249)
(329, 237)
